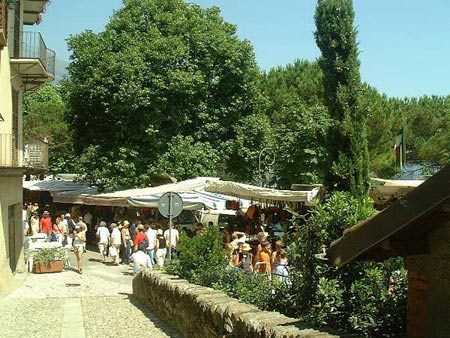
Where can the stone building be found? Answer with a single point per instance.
(416, 227)
(25, 63)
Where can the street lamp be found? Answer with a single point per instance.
(268, 160)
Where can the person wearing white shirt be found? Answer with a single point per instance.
(103, 237)
(116, 241)
(151, 236)
(173, 240)
(140, 261)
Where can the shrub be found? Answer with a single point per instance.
(47, 255)
(358, 297)
(365, 297)
(201, 258)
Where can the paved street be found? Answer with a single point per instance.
(96, 304)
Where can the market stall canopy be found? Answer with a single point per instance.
(201, 186)
(387, 191)
(260, 194)
(54, 186)
(194, 200)
(124, 198)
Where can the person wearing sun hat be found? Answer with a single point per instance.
(246, 256)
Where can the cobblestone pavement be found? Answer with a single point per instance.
(96, 304)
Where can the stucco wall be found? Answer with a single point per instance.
(201, 312)
(5, 93)
(433, 284)
(10, 195)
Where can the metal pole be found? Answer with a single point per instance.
(259, 168)
(170, 226)
(268, 161)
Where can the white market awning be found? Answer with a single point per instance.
(130, 197)
(266, 195)
(386, 191)
(211, 191)
(54, 186)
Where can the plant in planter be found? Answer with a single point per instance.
(49, 260)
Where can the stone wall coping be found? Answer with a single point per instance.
(211, 313)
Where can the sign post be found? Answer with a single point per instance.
(170, 205)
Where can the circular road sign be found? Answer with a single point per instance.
(170, 204)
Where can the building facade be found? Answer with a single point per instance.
(25, 63)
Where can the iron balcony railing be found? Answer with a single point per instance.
(32, 46)
(35, 154)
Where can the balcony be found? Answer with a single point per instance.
(32, 10)
(33, 60)
(3, 23)
(35, 154)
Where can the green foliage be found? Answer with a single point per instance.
(161, 69)
(44, 117)
(186, 159)
(360, 296)
(47, 255)
(328, 308)
(110, 170)
(201, 258)
(253, 133)
(295, 125)
(250, 288)
(300, 138)
(364, 297)
(347, 144)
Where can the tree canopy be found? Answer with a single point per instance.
(45, 118)
(169, 87)
(161, 68)
(348, 153)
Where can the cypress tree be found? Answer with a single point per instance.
(347, 139)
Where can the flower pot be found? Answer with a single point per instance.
(53, 266)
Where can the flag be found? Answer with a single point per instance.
(399, 140)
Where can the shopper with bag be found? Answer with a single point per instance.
(115, 243)
(102, 235)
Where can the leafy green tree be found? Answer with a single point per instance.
(300, 137)
(161, 68)
(298, 121)
(44, 118)
(109, 170)
(336, 38)
(186, 159)
(253, 133)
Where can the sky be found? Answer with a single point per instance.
(404, 45)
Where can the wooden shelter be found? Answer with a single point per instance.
(416, 227)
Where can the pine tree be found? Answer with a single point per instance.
(347, 141)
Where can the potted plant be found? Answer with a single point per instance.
(49, 260)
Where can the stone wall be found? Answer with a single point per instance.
(202, 312)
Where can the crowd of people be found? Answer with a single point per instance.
(261, 258)
(146, 243)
